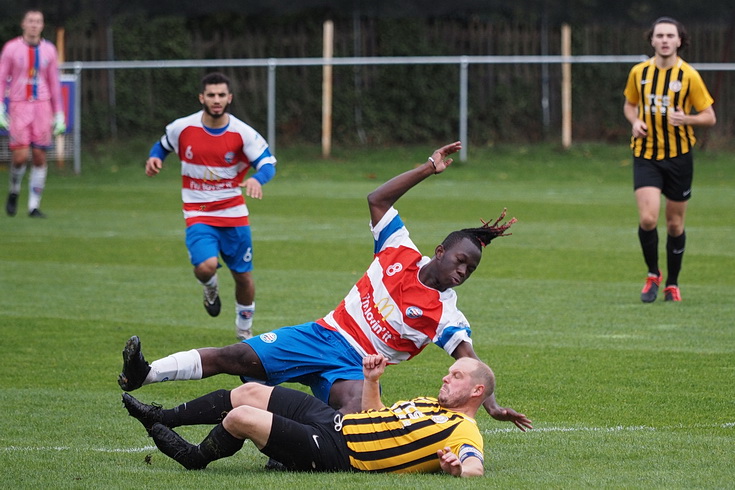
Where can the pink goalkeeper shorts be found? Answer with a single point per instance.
(30, 124)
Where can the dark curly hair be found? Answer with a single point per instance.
(214, 78)
(481, 236)
(679, 27)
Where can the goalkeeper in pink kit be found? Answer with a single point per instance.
(29, 78)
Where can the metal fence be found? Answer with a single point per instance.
(272, 64)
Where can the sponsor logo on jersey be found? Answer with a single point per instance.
(268, 337)
(414, 312)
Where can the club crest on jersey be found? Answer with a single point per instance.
(675, 85)
(268, 337)
(414, 312)
(439, 419)
(230, 156)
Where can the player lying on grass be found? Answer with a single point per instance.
(403, 302)
(421, 435)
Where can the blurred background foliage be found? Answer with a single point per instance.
(374, 104)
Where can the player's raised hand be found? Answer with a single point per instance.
(373, 366)
(439, 159)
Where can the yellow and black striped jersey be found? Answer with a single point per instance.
(405, 437)
(656, 92)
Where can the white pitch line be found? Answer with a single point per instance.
(507, 430)
(618, 428)
(67, 448)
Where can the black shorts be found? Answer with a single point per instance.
(672, 175)
(306, 434)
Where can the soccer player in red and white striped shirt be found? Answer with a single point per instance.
(403, 303)
(216, 151)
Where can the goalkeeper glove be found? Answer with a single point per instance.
(4, 120)
(59, 123)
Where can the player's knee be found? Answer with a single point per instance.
(648, 221)
(250, 394)
(208, 268)
(236, 420)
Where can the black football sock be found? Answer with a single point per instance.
(649, 245)
(207, 409)
(219, 444)
(674, 256)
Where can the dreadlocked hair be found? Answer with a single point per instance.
(481, 236)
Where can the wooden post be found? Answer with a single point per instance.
(60, 139)
(328, 50)
(566, 87)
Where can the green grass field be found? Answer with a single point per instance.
(622, 394)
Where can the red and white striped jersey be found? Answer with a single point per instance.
(390, 311)
(213, 165)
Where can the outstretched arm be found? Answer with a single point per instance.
(491, 405)
(382, 198)
(373, 367)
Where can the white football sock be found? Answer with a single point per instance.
(212, 283)
(16, 178)
(244, 320)
(176, 367)
(36, 184)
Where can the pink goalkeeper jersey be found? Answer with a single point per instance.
(30, 73)
(213, 166)
(389, 311)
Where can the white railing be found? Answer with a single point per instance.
(462, 62)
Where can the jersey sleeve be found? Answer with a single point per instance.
(256, 150)
(53, 80)
(453, 327)
(631, 92)
(170, 138)
(700, 96)
(466, 441)
(4, 70)
(391, 232)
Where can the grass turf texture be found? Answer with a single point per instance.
(622, 394)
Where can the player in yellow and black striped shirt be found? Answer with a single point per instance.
(422, 435)
(659, 97)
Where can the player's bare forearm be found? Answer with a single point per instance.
(450, 464)
(373, 367)
(385, 196)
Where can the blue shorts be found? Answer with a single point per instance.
(308, 354)
(233, 243)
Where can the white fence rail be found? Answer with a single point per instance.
(271, 64)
